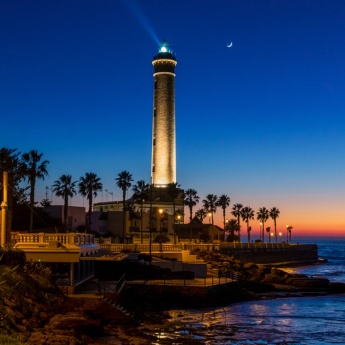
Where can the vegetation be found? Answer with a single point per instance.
(191, 198)
(31, 167)
(89, 186)
(141, 193)
(223, 202)
(247, 214)
(124, 181)
(236, 212)
(262, 215)
(274, 214)
(65, 188)
(173, 192)
(33, 170)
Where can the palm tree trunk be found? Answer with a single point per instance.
(275, 230)
(123, 215)
(32, 203)
(65, 212)
(248, 232)
(141, 222)
(263, 231)
(191, 224)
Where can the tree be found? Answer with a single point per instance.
(89, 185)
(262, 215)
(288, 229)
(232, 226)
(123, 181)
(223, 202)
(274, 214)
(247, 214)
(141, 194)
(45, 203)
(201, 214)
(173, 192)
(268, 230)
(65, 188)
(33, 170)
(191, 198)
(210, 205)
(236, 212)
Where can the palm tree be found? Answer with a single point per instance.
(262, 215)
(247, 214)
(191, 198)
(89, 186)
(210, 205)
(223, 202)
(288, 229)
(201, 214)
(232, 226)
(123, 181)
(236, 212)
(274, 214)
(173, 192)
(65, 188)
(33, 169)
(268, 230)
(141, 194)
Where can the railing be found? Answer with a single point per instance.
(244, 245)
(40, 238)
(201, 282)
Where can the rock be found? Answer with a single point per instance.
(336, 287)
(309, 283)
(249, 265)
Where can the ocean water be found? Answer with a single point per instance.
(285, 321)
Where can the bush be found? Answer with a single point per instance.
(9, 340)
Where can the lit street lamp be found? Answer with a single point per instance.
(209, 217)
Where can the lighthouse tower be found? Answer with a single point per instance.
(163, 166)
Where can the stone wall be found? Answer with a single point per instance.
(289, 254)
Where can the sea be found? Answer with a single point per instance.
(313, 320)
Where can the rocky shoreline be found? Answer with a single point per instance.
(34, 311)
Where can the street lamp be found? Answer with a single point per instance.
(280, 237)
(178, 221)
(287, 233)
(209, 217)
(160, 211)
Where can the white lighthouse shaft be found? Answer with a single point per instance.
(164, 131)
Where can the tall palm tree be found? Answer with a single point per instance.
(236, 212)
(223, 202)
(141, 193)
(173, 192)
(232, 226)
(191, 198)
(65, 188)
(288, 229)
(123, 181)
(262, 215)
(89, 186)
(34, 169)
(274, 214)
(201, 214)
(247, 214)
(210, 205)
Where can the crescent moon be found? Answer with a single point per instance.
(230, 45)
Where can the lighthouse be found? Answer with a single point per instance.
(163, 165)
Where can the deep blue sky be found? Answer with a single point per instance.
(262, 121)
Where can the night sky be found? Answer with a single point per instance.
(261, 121)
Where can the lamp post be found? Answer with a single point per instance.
(280, 237)
(161, 212)
(272, 234)
(209, 217)
(178, 222)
